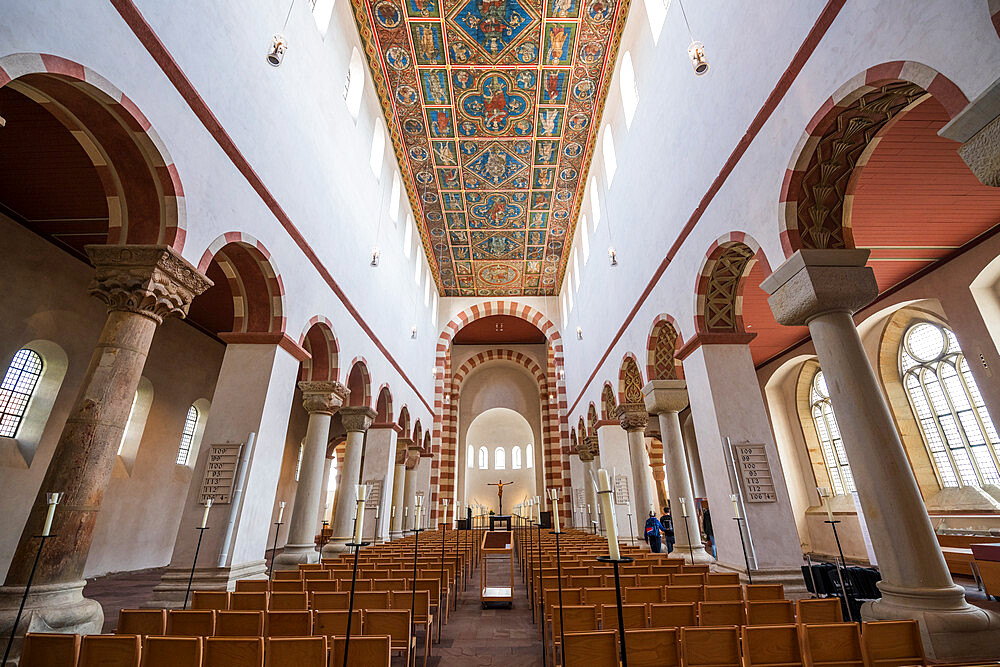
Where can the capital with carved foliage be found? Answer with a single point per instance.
(587, 448)
(150, 280)
(662, 396)
(323, 396)
(632, 416)
(357, 418)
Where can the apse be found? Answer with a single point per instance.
(499, 446)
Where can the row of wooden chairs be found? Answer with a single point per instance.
(58, 650)
(880, 644)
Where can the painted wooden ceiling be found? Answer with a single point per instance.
(493, 107)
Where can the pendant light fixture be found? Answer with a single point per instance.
(696, 50)
(279, 44)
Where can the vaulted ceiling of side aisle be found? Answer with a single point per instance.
(494, 108)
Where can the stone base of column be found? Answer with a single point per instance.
(50, 608)
(951, 628)
(396, 535)
(169, 593)
(701, 556)
(335, 547)
(295, 554)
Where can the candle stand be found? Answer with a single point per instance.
(444, 586)
(274, 549)
(529, 578)
(413, 580)
(631, 533)
(197, 548)
(454, 605)
(687, 534)
(618, 593)
(541, 602)
(746, 559)
(350, 605)
(376, 527)
(24, 598)
(562, 633)
(840, 575)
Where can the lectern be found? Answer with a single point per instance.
(496, 577)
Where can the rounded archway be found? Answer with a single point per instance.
(505, 436)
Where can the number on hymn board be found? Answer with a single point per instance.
(755, 473)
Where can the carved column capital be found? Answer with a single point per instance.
(658, 473)
(323, 396)
(813, 282)
(357, 418)
(665, 396)
(402, 446)
(632, 416)
(149, 280)
(588, 448)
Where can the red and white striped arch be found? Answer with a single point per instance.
(359, 381)
(320, 342)
(255, 283)
(703, 286)
(652, 371)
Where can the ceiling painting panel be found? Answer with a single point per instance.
(493, 107)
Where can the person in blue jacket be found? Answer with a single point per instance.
(652, 531)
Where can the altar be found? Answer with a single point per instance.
(503, 519)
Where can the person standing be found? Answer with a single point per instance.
(668, 529)
(706, 522)
(651, 533)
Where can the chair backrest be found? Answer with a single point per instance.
(330, 600)
(595, 649)
(142, 622)
(287, 624)
(190, 623)
(287, 602)
(43, 649)
(721, 579)
(586, 581)
(687, 579)
(286, 575)
(296, 652)
(293, 586)
(819, 610)
(359, 585)
(171, 652)
(633, 616)
(102, 650)
(771, 645)
(684, 593)
(715, 647)
(691, 569)
(234, 652)
(365, 651)
(421, 601)
(723, 593)
(371, 600)
(672, 615)
(654, 647)
(315, 574)
(660, 580)
(321, 586)
(576, 618)
(665, 569)
(722, 613)
(248, 601)
(644, 595)
(335, 622)
(392, 622)
(255, 585)
(835, 644)
(209, 600)
(891, 643)
(765, 592)
(600, 596)
(770, 612)
(388, 584)
(239, 623)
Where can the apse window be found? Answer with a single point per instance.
(378, 150)
(831, 444)
(955, 425)
(515, 458)
(499, 458)
(187, 436)
(484, 458)
(629, 91)
(19, 384)
(529, 455)
(354, 85)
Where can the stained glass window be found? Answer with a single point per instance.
(187, 436)
(19, 384)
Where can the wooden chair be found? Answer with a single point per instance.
(334, 623)
(710, 647)
(103, 650)
(770, 612)
(44, 649)
(295, 652)
(287, 624)
(672, 615)
(396, 624)
(315, 574)
(633, 616)
(722, 579)
(687, 579)
(287, 602)
(254, 585)
(819, 610)
(210, 600)
(595, 649)
(422, 615)
(684, 593)
(365, 651)
(723, 593)
(329, 601)
(388, 584)
(190, 623)
(322, 586)
(142, 622)
(892, 643)
(286, 575)
(575, 618)
(658, 580)
(371, 599)
(654, 647)
(295, 585)
(721, 613)
(239, 624)
(832, 645)
(359, 585)
(765, 592)
(172, 652)
(695, 569)
(644, 595)
(248, 601)
(586, 581)
(771, 645)
(234, 652)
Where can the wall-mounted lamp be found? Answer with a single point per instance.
(612, 257)
(579, 333)
(696, 52)
(277, 51)
(375, 255)
(413, 331)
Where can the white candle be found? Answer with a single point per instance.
(281, 510)
(204, 517)
(824, 498)
(736, 505)
(554, 497)
(604, 491)
(359, 515)
(52, 499)
(684, 507)
(392, 512)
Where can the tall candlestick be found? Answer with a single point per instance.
(281, 510)
(604, 492)
(736, 505)
(392, 512)
(359, 515)
(204, 517)
(684, 507)
(52, 499)
(554, 497)
(824, 498)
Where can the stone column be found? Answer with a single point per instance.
(614, 457)
(633, 419)
(399, 489)
(409, 493)
(666, 398)
(356, 420)
(822, 289)
(141, 286)
(588, 449)
(380, 466)
(321, 399)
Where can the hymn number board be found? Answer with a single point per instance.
(220, 473)
(755, 473)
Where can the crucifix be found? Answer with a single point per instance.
(500, 484)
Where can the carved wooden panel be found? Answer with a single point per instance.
(721, 309)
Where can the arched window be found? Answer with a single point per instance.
(298, 461)
(956, 427)
(354, 85)
(471, 455)
(499, 458)
(515, 458)
(394, 197)
(656, 12)
(630, 93)
(484, 458)
(584, 238)
(128, 422)
(595, 203)
(831, 443)
(529, 455)
(408, 237)
(378, 150)
(610, 159)
(322, 13)
(187, 435)
(19, 383)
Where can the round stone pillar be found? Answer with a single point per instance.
(356, 420)
(396, 526)
(588, 449)
(410, 488)
(141, 285)
(822, 289)
(633, 419)
(321, 399)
